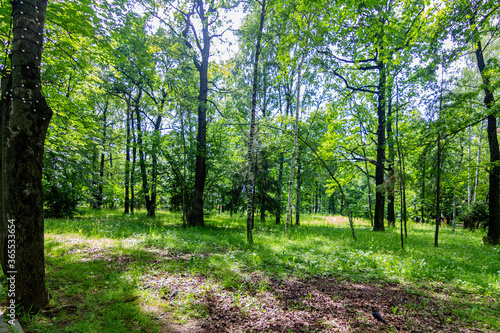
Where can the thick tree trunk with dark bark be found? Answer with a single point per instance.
(25, 116)
(378, 223)
(493, 236)
(134, 161)
(195, 217)
(478, 161)
(391, 216)
(142, 159)
(196, 214)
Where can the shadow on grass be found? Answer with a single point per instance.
(92, 291)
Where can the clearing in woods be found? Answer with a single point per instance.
(115, 273)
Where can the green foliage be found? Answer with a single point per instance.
(61, 200)
(476, 216)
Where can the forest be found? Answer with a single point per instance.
(250, 166)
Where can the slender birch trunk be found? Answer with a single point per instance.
(251, 141)
(296, 138)
(297, 204)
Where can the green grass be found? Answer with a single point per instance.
(102, 259)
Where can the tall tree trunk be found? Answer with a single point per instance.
(251, 141)
(184, 167)
(316, 191)
(422, 195)
(391, 218)
(297, 204)
(262, 213)
(196, 215)
(134, 158)
(278, 196)
(378, 224)
(493, 236)
(100, 194)
(263, 172)
(296, 138)
(438, 190)
(25, 117)
(454, 190)
(288, 112)
(469, 187)
(142, 159)
(478, 161)
(264, 161)
(402, 180)
(438, 167)
(127, 161)
(154, 166)
(368, 183)
(342, 205)
(333, 204)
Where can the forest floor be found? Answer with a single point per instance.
(114, 273)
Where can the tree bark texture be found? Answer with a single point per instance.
(422, 193)
(478, 161)
(184, 175)
(134, 158)
(493, 236)
(196, 214)
(251, 141)
(278, 196)
(469, 187)
(438, 191)
(127, 162)
(368, 183)
(378, 223)
(288, 221)
(297, 204)
(295, 135)
(100, 192)
(154, 166)
(391, 216)
(142, 159)
(24, 121)
(401, 170)
(288, 112)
